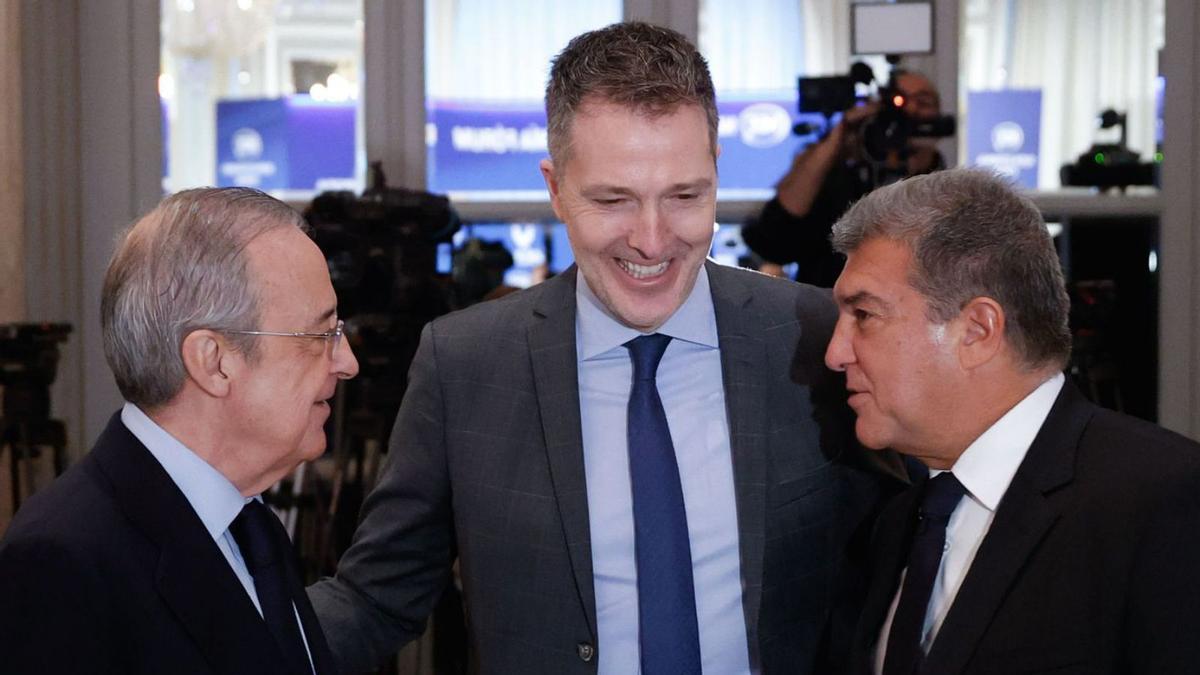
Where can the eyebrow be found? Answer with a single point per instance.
(861, 297)
(605, 190)
(699, 184)
(326, 316)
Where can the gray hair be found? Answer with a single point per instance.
(972, 235)
(180, 268)
(648, 68)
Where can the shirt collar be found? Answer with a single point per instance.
(987, 466)
(214, 499)
(598, 332)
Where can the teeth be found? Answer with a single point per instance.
(643, 271)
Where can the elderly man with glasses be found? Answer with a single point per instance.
(154, 554)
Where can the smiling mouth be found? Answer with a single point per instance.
(643, 271)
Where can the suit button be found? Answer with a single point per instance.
(586, 651)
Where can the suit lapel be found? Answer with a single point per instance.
(1025, 515)
(891, 541)
(553, 355)
(743, 362)
(192, 576)
(318, 648)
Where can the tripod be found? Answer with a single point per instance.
(24, 440)
(28, 363)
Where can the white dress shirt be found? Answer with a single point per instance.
(985, 469)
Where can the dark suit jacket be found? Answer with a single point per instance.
(486, 465)
(109, 570)
(1091, 565)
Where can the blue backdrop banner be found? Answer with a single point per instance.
(487, 146)
(291, 143)
(1003, 131)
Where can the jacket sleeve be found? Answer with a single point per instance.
(780, 237)
(400, 560)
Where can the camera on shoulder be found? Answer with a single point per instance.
(888, 131)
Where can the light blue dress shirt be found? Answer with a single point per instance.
(214, 499)
(693, 395)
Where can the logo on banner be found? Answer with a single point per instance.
(1008, 137)
(525, 253)
(1006, 157)
(247, 169)
(247, 144)
(764, 125)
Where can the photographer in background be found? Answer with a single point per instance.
(833, 173)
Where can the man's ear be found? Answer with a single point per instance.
(209, 361)
(983, 323)
(547, 167)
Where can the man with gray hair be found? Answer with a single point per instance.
(1051, 534)
(154, 554)
(640, 465)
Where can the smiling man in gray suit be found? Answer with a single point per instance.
(639, 464)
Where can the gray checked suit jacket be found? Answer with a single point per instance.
(486, 465)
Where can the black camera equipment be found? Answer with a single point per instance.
(1108, 165)
(382, 254)
(381, 248)
(886, 134)
(28, 365)
(833, 94)
(477, 269)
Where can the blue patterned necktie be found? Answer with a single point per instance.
(904, 653)
(667, 630)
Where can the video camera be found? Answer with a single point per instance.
(381, 249)
(1109, 165)
(887, 132)
(28, 365)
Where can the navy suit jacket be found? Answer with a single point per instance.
(1091, 565)
(109, 570)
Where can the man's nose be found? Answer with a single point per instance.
(345, 364)
(650, 233)
(839, 353)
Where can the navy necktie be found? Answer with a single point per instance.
(667, 630)
(265, 549)
(904, 653)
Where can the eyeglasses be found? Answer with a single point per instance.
(334, 336)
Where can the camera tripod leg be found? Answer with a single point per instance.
(60, 459)
(27, 456)
(14, 474)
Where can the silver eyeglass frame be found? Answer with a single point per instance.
(335, 335)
